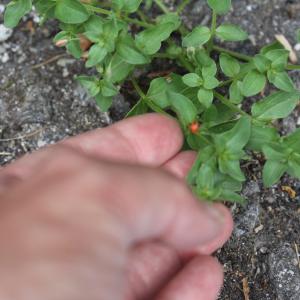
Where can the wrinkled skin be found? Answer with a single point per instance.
(107, 216)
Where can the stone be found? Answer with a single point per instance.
(5, 33)
(285, 275)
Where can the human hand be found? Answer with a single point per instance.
(107, 216)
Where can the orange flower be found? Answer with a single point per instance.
(194, 127)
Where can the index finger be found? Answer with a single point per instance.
(151, 139)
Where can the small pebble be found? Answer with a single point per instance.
(259, 228)
(297, 47)
(5, 58)
(41, 143)
(263, 250)
(5, 33)
(2, 49)
(63, 62)
(65, 72)
(249, 7)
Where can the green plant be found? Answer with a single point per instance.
(207, 96)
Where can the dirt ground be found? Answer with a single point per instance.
(41, 103)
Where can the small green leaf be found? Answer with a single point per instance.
(193, 173)
(129, 6)
(71, 11)
(261, 63)
(45, 9)
(128, 51)
(253, 83)
(282, 81)
(174, 51)
(205, 97)
(209, 70)
(103, 102)
(73, 47)
(62, 35)
(15, 10)
(232, 33)
(160, 86)
(149, 41)
(274, 54)
(211, 82)
(218, 116)
(111, 28)
(198, 37)
(275, 151)
(293, 140)
(139, 108)
(272, 172)
(235, 93)
(232, 168)
(278, 57)
(192, 80)
(108, 89)
(117, 69)
(157, 92)
(184, 107)
(238, 136)
(229, 65)
(220, 6)
(231, 196)
(274, 46)
(276, 106)
(294, 165)
(96, 55)
(94, 25)
(172, 18)
(206, 176)
(228, 183)
(202, 58)
(90, 83)
(260, 136)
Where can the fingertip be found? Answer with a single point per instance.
(200, 279)
(156, 138)
(225, 233)
(181, 163)
(150, 139)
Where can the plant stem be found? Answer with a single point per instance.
(213, 31)
(162, 6)
(148, 101)
(163, 55)
(108, 12)
(182, 6)
(142, 16)
(292, 67)
(185, 63)
(224, 83)
(97, 9)
(137, 22)
(226, 102)
(244, 57)
(232, 53)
